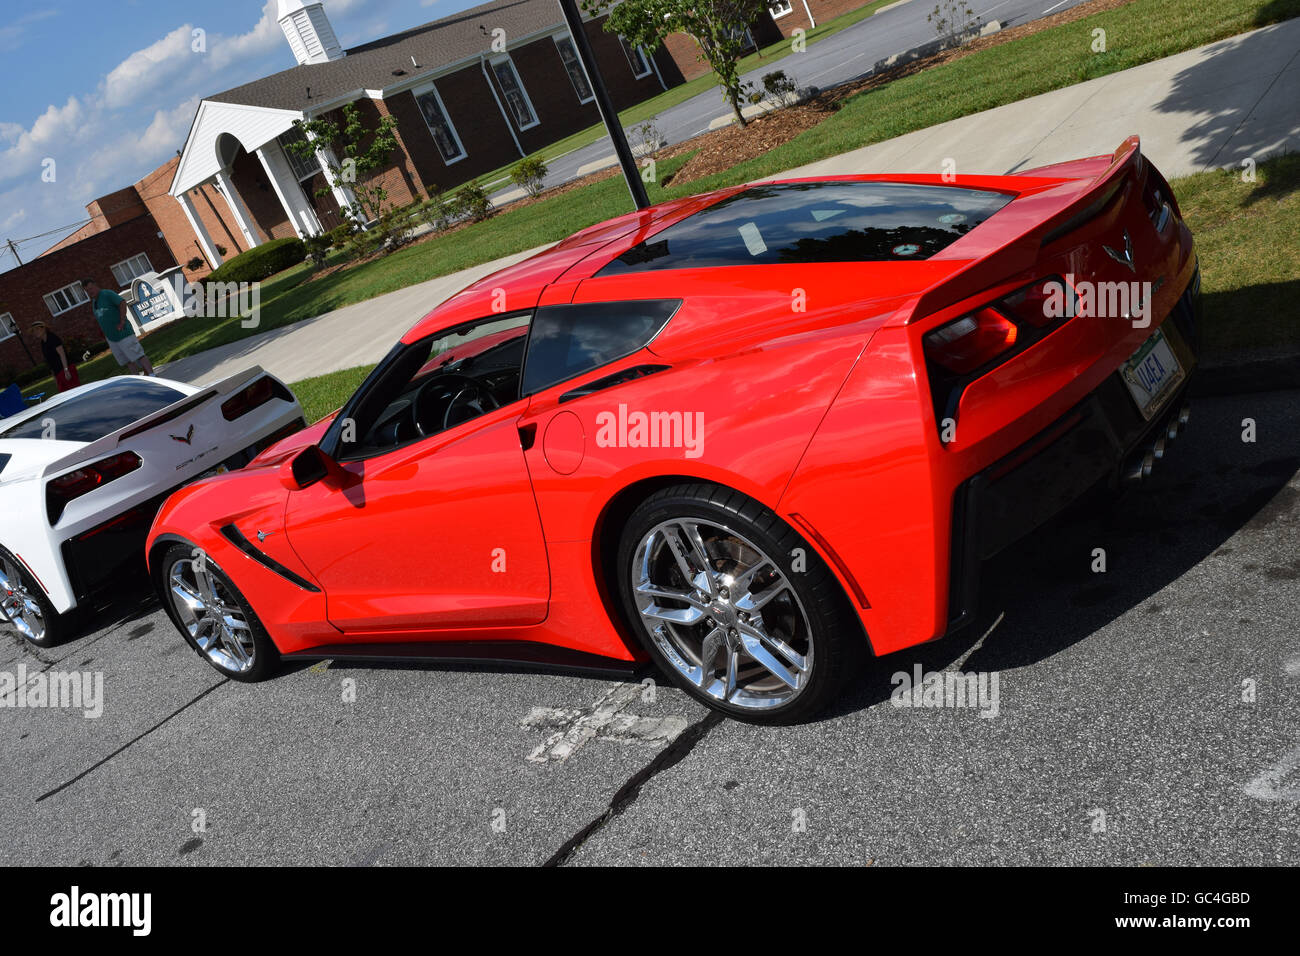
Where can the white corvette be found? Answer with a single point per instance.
(83, 474)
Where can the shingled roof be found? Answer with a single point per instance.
(374, 65)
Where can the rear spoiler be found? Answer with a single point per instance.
(1080, 201)
(113, 440)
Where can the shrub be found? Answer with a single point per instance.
(436, 211)
(780, 88)
(393, 229)
(338, 236)
(195, 264)
(471, 203)
(318, 248)
(529, 173)
(647, 137)
(261, 261)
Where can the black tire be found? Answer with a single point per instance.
(265, 657)
(829, 628)
(56, 627)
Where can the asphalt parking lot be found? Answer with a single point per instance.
(1149, 714)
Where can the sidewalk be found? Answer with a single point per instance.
(1212, 106)
(1209, 107)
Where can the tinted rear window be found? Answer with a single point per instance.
(816, 222)
(567, 340)
(93, 415)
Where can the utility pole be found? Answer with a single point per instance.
(607, 112)
(17, 333)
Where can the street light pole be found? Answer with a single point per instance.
(607, 112)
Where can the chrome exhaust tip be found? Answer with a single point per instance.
(1148, 462)
(1172, 431)
(1184, 413)
(1158, 449)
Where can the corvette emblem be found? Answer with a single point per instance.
(1126, 257)
(186, 438)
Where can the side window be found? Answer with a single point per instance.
(432, 385)
(568, 340)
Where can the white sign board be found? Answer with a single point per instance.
(154, 300)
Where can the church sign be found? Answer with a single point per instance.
(154, 300)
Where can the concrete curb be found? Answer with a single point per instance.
(933, 47)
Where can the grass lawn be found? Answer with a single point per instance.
(1250, 259)
(325, 393)
(1250, 271)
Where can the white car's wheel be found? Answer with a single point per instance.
(24, 605)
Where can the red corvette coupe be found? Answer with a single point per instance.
(746, 435)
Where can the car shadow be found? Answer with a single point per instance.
(1210, 485)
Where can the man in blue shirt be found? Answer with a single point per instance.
(110, 313)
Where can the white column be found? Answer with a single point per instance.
(286, 188)
(328, 162)
(237, 208)
(200, 230)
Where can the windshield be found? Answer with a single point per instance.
(98, 412)
(816, 222)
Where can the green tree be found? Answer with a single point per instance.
(718, 26)
(365, 152)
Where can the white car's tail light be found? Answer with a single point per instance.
(253, 396)
(59, 491)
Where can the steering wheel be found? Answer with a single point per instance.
(454, 391)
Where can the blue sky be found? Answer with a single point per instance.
(107, 88)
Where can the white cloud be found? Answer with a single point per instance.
(147, 69)
(55, 129)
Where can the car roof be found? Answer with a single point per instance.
(553, 275)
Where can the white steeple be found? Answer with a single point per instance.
(308, 31)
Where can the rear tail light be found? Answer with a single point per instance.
(250, 397)
(59, 491)
(960, 351)
(1042, 303)
(971, 342)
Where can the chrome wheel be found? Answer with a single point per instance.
(18, 605)
(723, 613)
(209, 613)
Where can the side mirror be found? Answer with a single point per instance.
(308, 467)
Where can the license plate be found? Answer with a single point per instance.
(1152, 374)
